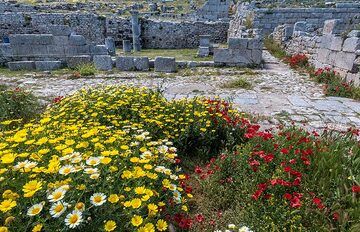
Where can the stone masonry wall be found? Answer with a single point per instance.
(327, 49)
(268, 19)
(95, 28)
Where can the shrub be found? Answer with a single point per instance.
(239, 82)
(103, 158)
(274, 48)
(335, 85)
(298, 61)
(289, 180)
(86, 69)
(17, 104)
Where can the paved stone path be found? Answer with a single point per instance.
(278, 93)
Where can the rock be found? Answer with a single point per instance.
(354, 33)
(238, 43)
(351, 44)
(103, 62)
(110, 45)
(165, 64)
(77, 40)
(74, 61)
(99, 50)
(141, 63)
(125, 63)
(21, 65)
(203, 52)
(47, 65)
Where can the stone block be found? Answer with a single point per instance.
(325, 41)
(255, 44)
(204, 40)
(233, 57)
(21, 65)
(165, 64)
(56, 51)
(351, 44)
(256, 56)
(336, 43)
(77, 40)
(56, 30)
(141, 63)
(39, 50)
(125, 63)
(31, 39)
(5, 50)
(47, 65)
(103, 62)
(323, 55)
(99, 50)
(238, 43)
(110, 45)
(345, 60)
(74, 61)
(203, 52)
(82, 50)
(333, 26)
(61, 40)
(354, 33)
(127, 46)
(300, 26)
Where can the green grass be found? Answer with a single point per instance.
(4, 71)
(179, 54)
(274, 48)
(238, 83)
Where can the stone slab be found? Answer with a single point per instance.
(103, 62)
(141, 63)
(165, 64)
(47, 65)
(75, 61)
(125, 63)
(21, 65)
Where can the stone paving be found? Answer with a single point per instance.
(278, 93)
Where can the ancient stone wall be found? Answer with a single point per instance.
(214, 10)
(325, 49)
(95, 28)
(268, 19)
(170, 34)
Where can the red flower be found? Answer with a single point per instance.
(284, 151)
(287, 196)
(355, 189)
(199, 218)
(198, 170)
(295, 202)
(336, 216)
(318, 203)
(268, 158)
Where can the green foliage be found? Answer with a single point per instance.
(86, 69)
(274, 48)
(239, 82)
(315, 172)
(18, 104)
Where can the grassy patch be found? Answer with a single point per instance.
(238, 83)
(274, 48)
(85, 70)
(179, 54)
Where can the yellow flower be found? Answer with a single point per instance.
(3, 229)
(37, 228)
(140, 190)
(110, 226)
(9, 219)
(113, 198)
(31, 188)
(7, 205)
(161, 225)
(35, 209)
(153, 209)
(80, 206)
(136, 203)
(8, 158)
(136, 220)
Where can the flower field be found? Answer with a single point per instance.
(126, 159)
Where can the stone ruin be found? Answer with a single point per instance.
(329, 46)
(48, 51)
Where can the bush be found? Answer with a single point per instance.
(289, 180)
(103, 158)
(335, 85)
(298, 61)
(17, 104)
(85, 70)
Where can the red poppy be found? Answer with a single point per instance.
(355, 189)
